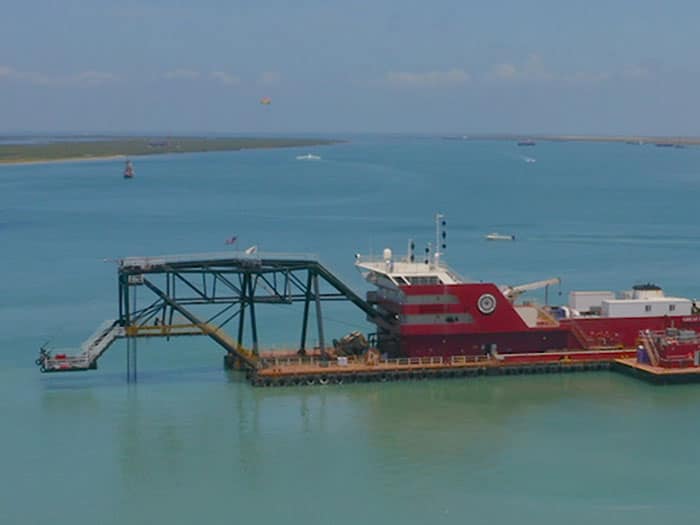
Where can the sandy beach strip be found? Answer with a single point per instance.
(67, 160)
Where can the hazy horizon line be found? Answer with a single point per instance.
(448, 134)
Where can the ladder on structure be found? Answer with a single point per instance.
(91, 349)
(584, 339)
(544, 318)
(650, 347)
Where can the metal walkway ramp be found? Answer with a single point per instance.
(86, 358)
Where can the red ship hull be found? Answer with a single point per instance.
(453, 320)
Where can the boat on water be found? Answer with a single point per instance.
(308, 156)
(526, 142)
(499, 237)
(128, 170)
(431, 311)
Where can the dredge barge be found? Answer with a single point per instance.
(429, 321)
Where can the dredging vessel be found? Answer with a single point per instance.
(438, 313)
(429, 321)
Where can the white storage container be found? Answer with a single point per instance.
(584, 301)
(670, 306)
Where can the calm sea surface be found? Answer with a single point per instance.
(192, 443)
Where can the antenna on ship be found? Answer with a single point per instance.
(411, 251)
(440, 237)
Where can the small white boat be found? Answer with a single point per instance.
(499, 237)
(308, 156)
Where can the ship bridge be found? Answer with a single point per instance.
(386, 270)
(201, 294)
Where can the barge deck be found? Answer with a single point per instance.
(295, 371)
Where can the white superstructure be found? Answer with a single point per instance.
(388, 271)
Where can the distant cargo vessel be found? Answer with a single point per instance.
(435, 312)
(527, 142)
(308, 156)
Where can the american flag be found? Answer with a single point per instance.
(231, 240)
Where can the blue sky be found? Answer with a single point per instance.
(184, 66)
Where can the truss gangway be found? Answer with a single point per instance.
(209, 291)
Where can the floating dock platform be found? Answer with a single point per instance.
(656, 374)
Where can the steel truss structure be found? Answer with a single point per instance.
(213, 292)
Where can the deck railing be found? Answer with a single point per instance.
(399, 362)
(158, 260)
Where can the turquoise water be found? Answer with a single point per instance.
(191, 441)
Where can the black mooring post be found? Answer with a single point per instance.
(126, 316)
(305, 319)
(241, 319)
(171, 294)
(121, 297)
(165, 305)
(253, 325)
(319, 319)
(130, 340)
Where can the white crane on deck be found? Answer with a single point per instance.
(513, 292)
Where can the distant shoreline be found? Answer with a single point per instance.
(114, 149)
(631, 139)
(60, 161)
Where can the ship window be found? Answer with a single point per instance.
(647, 308)
(671, 307)
(428, 279)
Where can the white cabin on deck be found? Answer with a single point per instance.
(645, 300)
(653, 307)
